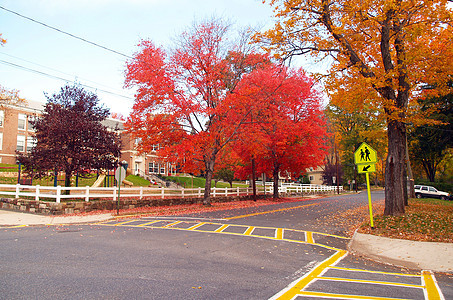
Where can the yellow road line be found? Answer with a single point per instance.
(371, 282)
(375, 272)
(147, 223)
(341, 296)
(279, 233)
(196, 226)
(249, 230)
(124, 223)
(221, 228)
(171, 224)
(309, 237)
(270, 211)
(296, 287)
(431, 290)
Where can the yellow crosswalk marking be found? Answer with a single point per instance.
(221, 228)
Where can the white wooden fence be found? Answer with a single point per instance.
(58, 193)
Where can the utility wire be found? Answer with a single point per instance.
(60, 78)
(61, 72)
(67, 33)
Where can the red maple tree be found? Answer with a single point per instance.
(186, 101)
(285, 131)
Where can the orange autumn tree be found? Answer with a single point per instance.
(285, 131)
(383, 48)
(186, 100)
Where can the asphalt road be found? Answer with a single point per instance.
(242, 254)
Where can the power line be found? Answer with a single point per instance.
(52, 69)
(67, 33)
(60, 78)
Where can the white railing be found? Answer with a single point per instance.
(58, 193)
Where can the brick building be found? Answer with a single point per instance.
(16, 134)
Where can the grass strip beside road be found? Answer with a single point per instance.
(427, 220)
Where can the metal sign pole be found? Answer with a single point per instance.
(119, 193)
(369, 200)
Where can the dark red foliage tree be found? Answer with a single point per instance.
(70, 137)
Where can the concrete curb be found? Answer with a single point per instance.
(437, 257)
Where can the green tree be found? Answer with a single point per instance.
(430, 144)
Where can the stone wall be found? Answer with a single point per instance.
(53, 208)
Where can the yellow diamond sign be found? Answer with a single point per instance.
(365, 155)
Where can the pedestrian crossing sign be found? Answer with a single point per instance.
(365, 155)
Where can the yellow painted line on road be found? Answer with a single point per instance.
(124, 223)
(221, 228)
(297, 286)
(196, 226)
(279, 233)
(249, 230)
(309, 237)
(341, 296)
(269, 211)
(171, 224)
(375, 272)
(147, 223)
(371, 282)
(432, 290)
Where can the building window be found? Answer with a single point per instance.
(155, 147)
(162, 169)
(2, 117)
(20, 143)
(21, 122)
(31, 142)
(153, 168)
(29, 126)
(311, 178)
(1, 140)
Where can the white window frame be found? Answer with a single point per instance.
(2, 118)
(22, 118)
(1, 140)
(29, 126)
(31, 142)
(20, 140)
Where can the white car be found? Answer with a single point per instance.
(426, 191)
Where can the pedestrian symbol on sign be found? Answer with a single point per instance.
(365, 154)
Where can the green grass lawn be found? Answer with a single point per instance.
(8, 168)
(197, 182)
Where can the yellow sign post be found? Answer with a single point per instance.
(365, 158)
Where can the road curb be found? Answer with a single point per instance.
(437, 257)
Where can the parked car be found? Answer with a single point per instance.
(426, 191)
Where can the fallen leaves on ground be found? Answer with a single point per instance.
(425, 220)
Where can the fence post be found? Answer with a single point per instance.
(214, 190)
(37, 193)
(17, 190)
(58, 198)
(114, 194)
(141, 192)
(199, 192)
(87, 193)
(226, 192)
(183, 193)
(163, 193)
(237, 191)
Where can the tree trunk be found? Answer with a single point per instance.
(209, 172)
(275, 174)
(67, 181)
(253, 180)
(394, 169)
(409, 173)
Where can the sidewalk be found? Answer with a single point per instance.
(12, 218)
(437, 257)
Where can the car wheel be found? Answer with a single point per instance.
(443, 198)
(418, 196)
